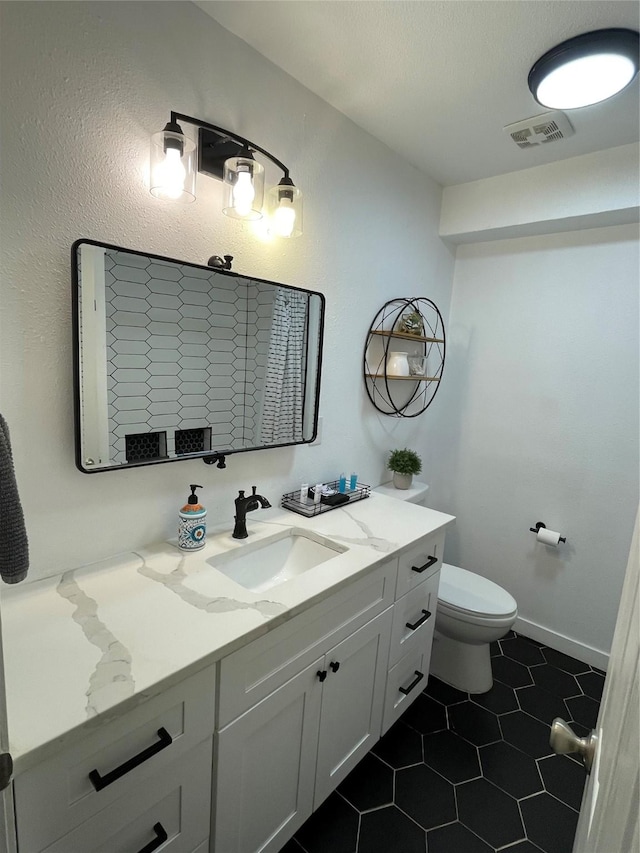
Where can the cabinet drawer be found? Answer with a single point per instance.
(414, 616)
(253, 672)
(404, 684)
(171, 809)
(140, 743)
(420, 562)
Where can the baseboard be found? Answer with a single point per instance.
(560, 643)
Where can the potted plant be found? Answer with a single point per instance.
(404, 464)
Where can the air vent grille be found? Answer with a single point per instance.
(540, 129)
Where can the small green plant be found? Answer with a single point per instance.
(404, 462)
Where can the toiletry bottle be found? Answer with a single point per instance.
(342, 483)
(353, 482)
(192, 523)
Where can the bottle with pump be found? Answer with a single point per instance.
(192, 523)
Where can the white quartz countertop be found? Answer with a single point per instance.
(84, 647)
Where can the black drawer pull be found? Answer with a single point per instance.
(99, 782)
(421, 621)
(414, 683)
(322, 674)
(427, 565)
(335, 665)
(158, 841)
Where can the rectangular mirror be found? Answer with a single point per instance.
(174, 360)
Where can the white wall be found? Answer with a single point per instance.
(83, 84)
(541, 392)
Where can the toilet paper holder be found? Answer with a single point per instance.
(540, 524)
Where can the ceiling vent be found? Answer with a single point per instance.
(539, 130)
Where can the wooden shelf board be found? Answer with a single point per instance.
(411, 378)
(407, 336)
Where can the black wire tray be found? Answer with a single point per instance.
(291, 500)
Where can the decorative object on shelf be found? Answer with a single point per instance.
(404, 464)
(219, 263)
(411, 324)
(228, 157)
(397, 364)
(407, 391)
(293, 502)
(585, 69)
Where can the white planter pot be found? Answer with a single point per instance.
(397, 364)
(402, 481)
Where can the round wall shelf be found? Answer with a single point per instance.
(404, 357)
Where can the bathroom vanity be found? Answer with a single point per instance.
(196, 704)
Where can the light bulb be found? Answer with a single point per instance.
(585, 81)
(170, 174)
(243, 192)
(284, 218)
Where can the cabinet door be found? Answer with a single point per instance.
(352, 702)
(266, 768)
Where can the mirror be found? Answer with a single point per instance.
(175, 360)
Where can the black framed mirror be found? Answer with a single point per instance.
(174, 360)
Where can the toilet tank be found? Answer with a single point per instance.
(417, 494)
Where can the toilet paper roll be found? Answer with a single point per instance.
(548, 537)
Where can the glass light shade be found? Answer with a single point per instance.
(173, 167)
(285, 211)
(243, 188)
(585, 81)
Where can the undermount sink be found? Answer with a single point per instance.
(275, 560)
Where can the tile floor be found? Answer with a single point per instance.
(469, 774)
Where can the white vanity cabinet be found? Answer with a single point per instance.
(141, 779)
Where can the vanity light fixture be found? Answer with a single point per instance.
(586, 69)
(230, 158)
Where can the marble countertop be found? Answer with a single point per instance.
(81, 648)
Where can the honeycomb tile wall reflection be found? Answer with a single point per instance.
(179, 352)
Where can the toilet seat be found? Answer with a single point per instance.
(467, 596)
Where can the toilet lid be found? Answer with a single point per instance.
(463, 590)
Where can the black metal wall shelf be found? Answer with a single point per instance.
(404, 396)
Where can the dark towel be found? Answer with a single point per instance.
(14, 546)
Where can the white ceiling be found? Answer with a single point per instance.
(437, 80)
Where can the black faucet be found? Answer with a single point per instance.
(243, 506)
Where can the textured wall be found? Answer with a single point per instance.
(542, 390)
(83, 84)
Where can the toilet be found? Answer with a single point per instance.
(472, 612)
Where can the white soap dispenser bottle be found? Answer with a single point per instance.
(192, 523)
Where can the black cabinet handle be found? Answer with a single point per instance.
(99, 782)
(322, 674)
(414, 683)
(335, 665)
(427, 565)
(420, 621)
(161, 837)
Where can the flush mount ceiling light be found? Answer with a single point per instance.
(586, 69)
(230, 158)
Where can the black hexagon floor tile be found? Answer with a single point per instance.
(541, 704)
(510, 769)
(474, 723)
(584, 710)
(455, 838)
(500, 699)
(592, 684)
(425, 796)
(521, 847)
(522, 650)
(369, 785)
(333, 827)
(444, 693)
(562, 661)
(555, 681)
(400, 747)
(479, 803)
(563, 778)
(526, 733)
(511, 672)
(389, 829)
(451, 756)
(550, 824)
(425, 715)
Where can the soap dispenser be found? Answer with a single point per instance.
(192, 524)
